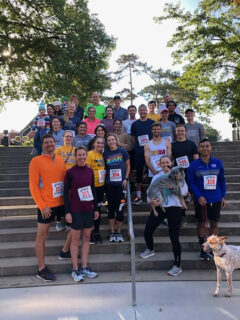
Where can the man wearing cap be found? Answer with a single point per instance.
(119, 112)
(79, 111)
(168, 127)
(100, 109)
(173, 116)
(195, 130)
(167, 99)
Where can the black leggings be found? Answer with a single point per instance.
(114, 196)
(174, 216)
(100, 194)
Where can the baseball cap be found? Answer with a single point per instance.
(116, 97)
(189, 109)
(56, 103)
(164, 109)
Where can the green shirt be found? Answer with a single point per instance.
(100, 110)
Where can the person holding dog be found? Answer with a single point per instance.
(207, 183)
(170, 208)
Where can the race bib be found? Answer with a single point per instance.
(101, 175)
(183, 162)
(169, 138)
(142, 140)
(210, 182)
(156, 164)
(115, 175)
(129, 128)
(57, 189)
(41, 123)
(85, 193)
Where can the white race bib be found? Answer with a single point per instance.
(156, 164)
(183, 162)
(57, 189)
(41, 123)
(210, 182)
(85, 193)
(101, 176)
(115, 175)
(129, 128)
(142, 140)
(169, 138)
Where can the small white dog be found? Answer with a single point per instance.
(226, 257)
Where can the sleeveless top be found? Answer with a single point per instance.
(156, 152)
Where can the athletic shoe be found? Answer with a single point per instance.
(64, 255)
(119, 237)
(46, 275)
(59, 226)
(112, 237)
(165, 222)
(77, 276)
(174, 271)
(87, 272)
(147, 253)
(98, 239)
(137, 200)
(92, 239)
(205, 256)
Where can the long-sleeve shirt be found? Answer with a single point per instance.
(79, 190)
(46, 177)
(207, 180)
(41, 122)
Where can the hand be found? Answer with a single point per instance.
(96, 215)
(46, 212)
(124, 184)
(202, 201)
(68, 217)
(155, 202)
(223, 203)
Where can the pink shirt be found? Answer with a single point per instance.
(91, 125)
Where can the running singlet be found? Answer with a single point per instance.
(156, 152)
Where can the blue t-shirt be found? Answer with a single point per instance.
(115, 165)
(142, 131)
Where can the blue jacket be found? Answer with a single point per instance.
(195, 177)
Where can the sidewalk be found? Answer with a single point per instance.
(112, 301)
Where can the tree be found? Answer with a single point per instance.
(212, 134)
(208, 41)
(167, 81)
(128, 64)
(52, 48)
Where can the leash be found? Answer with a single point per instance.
(205, 220)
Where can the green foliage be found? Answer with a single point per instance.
(52, 48)
(212, 134)
(208, 42)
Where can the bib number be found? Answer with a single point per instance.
(101, 175)
(57, 189)
(169, 138)
(183, 162)
(156, 164)
(210, 182)
(115, 175)
(142, 140)
(41, 123)
(85, 193)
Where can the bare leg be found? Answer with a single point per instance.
(75, 236)
(229, 280)
(219, 279)
(119, 226)
(112, 225)
(42, 233)
(85, 246)
(67, 242)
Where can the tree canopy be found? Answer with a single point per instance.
(50, 48)
(207, 41)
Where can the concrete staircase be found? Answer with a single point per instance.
(18, 228)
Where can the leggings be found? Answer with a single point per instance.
(100, 194)
(114, 196)
(174, 216)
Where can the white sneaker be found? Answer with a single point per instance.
(119, 237)
(77, 276)
(147, 253)
(113, 237)
(87, 272)
(175, 271)
(59, 226)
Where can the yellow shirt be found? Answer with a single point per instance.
(68, 154)
(155, 117)
(96, 162)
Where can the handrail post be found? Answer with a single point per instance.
(132, 243)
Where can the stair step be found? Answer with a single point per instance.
(14, 192)
(12, 201)
(14, 177)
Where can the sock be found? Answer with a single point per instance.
(139, 194)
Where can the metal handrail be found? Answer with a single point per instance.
(132, 242)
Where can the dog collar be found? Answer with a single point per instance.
(221, 255)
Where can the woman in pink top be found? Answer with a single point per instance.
(91, 120)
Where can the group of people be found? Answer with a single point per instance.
(86, 153)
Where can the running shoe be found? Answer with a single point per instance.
(165, 222)
(112, 237)
(119, 237)
(98, 239)
(64, 255)
(59, 226)
(147, 253)
(45, 275)
(175, 271)
(77, 276)
(87, 272)
(137, 200)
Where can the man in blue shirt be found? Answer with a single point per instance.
(119, 112)
(207, 183)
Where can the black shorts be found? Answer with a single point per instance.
(213, 211)
(82, 220)
(56, 212)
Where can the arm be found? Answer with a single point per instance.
(35, 190)
(195, 156)
(147, 158)
(169, 149)
(184, 189)
(201, 132)
(127, 163)
(67, 188)
(191, 177)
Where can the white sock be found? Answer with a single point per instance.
(139, 194)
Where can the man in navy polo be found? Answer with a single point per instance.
(119, 112)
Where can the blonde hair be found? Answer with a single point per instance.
(66, 117)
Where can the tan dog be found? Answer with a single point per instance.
(226, 257)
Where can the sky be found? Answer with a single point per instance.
(131, 23)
